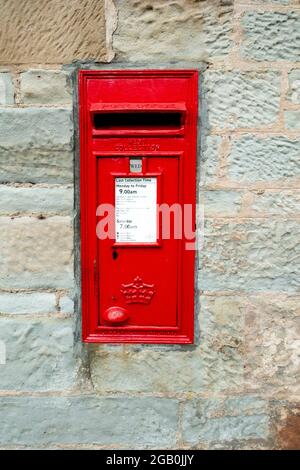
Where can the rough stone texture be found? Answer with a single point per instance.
(293, 94)
(264, 2)
(159, 30)
(221, 203)
(36, 145)
(281, 203)
(36, 166)
(257, 104)
(209, 159)
(288, 426)
(36, 252)
(45, 87)
(264, 159)
(36, 128)
(292, 119)
(272, 346)
(216, 364)
(271, 35)
(66, 305)
(234, 419)
(35, 199)
(6, 89)
(99, 420)
(251, 255)
(238, 385)
(39, 31)
(27, 303)
(39, 356)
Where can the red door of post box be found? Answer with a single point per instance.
(137, 185)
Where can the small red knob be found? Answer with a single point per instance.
(115, 315)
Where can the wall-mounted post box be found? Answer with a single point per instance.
(137, 193)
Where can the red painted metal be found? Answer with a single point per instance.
(137, 292)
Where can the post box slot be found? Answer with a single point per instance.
(138, 120)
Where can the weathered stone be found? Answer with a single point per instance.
(241, 99)
(276, 203)
(215, 365)
(271, 35)
(209, 160)
(45, 87)
(36, 166)
(272, 332)
(293, 94)
(36, 128)
(66, 305)
(250, 255)
(221, 203)
(35, 199)
(139, 421)
(264, 159)
(36, 145)
(34, 302)
(36, 252)
(6, 89)
(217, 420)
(39, 354)
(264, 2)
(43, 32)
(292, 119)
(288, 426)
(155, 30)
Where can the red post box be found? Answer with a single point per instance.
(138, 132)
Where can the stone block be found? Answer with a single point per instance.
(35, 199)
(250, 255)
(86, 419)
(46, 32)
(36, 253)
(237, 419)
(271, 35)
(39, 355)
(271, 159)
(241, 99)
(6, 89)
(45, 87)
(158, 31)
(27, 303)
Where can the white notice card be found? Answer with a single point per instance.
(135, 211)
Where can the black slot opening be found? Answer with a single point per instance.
(138, 120)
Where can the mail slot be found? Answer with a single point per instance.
(138, 134)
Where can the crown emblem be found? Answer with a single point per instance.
(138, 292)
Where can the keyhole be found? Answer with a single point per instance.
(115, 254)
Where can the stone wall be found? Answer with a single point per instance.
(239, 385)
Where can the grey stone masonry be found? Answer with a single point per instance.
(257, 104)
(158, 31)
(6, 89)
(45, 87)
(39, 354)
(36, 252)
(36, 128)
(271, 35)
(36, 145)
(294, 86)
(235, 419)
(35, 199)
(269, 159)
(27, 303)
(251, 255)
(238, 385)
(88, 420)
